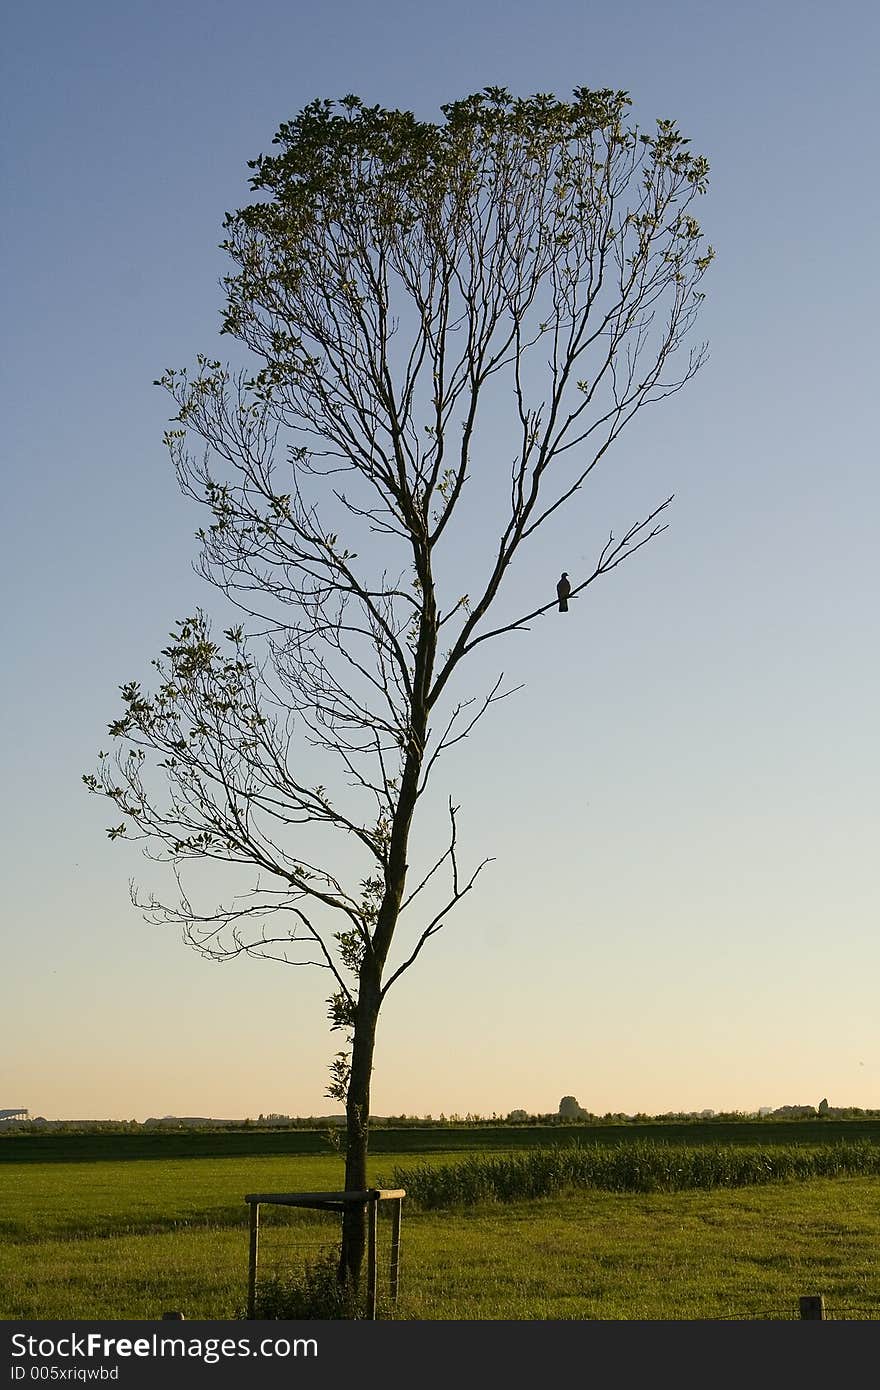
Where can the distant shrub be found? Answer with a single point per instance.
(643, 1166)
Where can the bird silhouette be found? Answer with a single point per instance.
(563, 589)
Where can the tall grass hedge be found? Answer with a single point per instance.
(642, 1166)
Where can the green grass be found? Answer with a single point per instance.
(608, 1256)
(132, 1239)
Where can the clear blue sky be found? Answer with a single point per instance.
(683, 910)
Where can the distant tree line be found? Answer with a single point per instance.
(470, 1120)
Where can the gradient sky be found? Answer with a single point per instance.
(683, 800)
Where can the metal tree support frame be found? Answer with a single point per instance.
(333, 1201)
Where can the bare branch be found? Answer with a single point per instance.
(611, 556)
(458, 893)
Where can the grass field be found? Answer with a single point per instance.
(91, 1235)
(47, 1146)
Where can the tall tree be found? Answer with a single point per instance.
(395, 274)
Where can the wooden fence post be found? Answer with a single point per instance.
(252, 1264)
(372, 1213)
(396, 1213)
(813, 1306)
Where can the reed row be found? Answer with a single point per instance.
(642, 1166)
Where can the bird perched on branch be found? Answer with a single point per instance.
(563, 589)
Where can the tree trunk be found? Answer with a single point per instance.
(370, 979)
(354, 1220)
